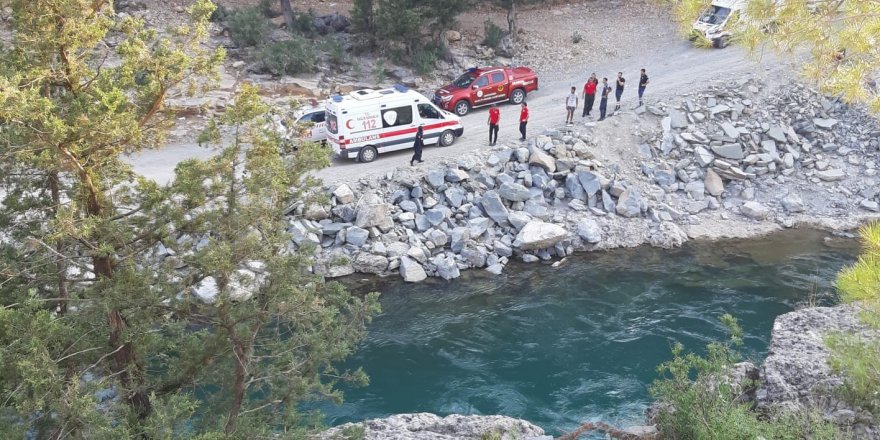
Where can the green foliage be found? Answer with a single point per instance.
(492, 34)
(289, 57)
(491, 435)
(303, 23)
(423, 62)
(354, 432)
(699, 403)
(267, 7)
(840, 36)
(362, 16)
(89, 310)
(249, 27)
(335, 52)
(379, 71)
(220, 14)
(857, 358)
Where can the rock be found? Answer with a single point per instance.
(446, 267)
(344, 195)
(629, 204)
(696, 189)
(513, 192)
(667, 236)
(831, 175)
(730, 130)
(425, 426)
(646, 432)
(664, 177)
(678, 119)
(543, 160)
(356, 236)
(452, 36)
(519, 219)
(793, 203)
(371, 211)
(714, 184)
(704, 157)
(370, 263)
(589, 182)
(825, 123)
(494, 207)
(411, 271)
(436, 178)
(729, 151)
(206, 290)
(495, 269)
(777, 134)
(870, 205)
(589, 231)
(455, 175)
(755, 210)
(539, 235)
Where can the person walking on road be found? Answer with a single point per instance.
(589, 94)
(494, 117)
(603, 103)
(523, 120)
(571, 103)
(643, 82)
(618, 91)
(417, 146)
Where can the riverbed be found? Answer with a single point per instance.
(581, 341)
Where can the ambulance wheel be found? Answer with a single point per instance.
(517, 97)
(447, 138)
(462, 107)
(367, 154)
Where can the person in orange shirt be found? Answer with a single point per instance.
(523, 120)
(494, 117)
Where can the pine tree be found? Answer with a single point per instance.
(99, 334)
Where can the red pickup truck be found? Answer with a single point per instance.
(481, 86)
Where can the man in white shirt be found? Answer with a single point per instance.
(571, 103)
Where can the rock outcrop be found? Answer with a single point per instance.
(426, 426)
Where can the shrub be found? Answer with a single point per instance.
(576, 37)
(492, 35)
(249, 27)
(423, 62)
(289, 57)
(335, 51)
(304, 23)
(220, 14)
(379, 71)
(267, 7)
(362, 16)
(701, 405)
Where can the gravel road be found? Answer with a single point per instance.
(679, 68)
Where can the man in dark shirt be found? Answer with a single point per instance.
(618, 91)
(603, 103)
(643, 82)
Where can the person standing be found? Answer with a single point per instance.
(571, 103)
(494, 117)
(523, 120)
(603, 103)
(590, 94)
(643, 82)
(417, 146)
(618, 91)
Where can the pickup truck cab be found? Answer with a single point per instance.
(481, 86)
(713, 25)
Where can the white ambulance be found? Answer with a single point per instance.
(367, 122)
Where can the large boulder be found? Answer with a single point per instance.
(629, 204)
(589, 231)
(372, 211)
(425, 426)
(494, 207)
(343, 194)
(543, 160)
(539, 235)
(446, 266)
(714, 184)
(411, 271)
(513, 192)
(755, 210)
(370, 263)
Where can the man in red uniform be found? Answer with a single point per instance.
(494, 117)
(590, 94)
(523, 120)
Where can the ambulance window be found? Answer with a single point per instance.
(497, 77)
(332, 126)
(393, 117)
(483, 81)
(428, 111)
(317, 117)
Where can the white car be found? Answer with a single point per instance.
(312, 120)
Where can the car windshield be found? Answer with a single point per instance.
(463, 81)
(715, 15)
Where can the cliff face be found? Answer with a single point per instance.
(426, 426)
(796, 375)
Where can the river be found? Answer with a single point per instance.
(580, 342)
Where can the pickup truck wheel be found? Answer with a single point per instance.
(722, 42)
(447, 138)
(462, 107)
(367, 154)
(517, 97)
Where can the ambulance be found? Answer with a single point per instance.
(365, 123)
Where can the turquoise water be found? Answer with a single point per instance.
(579, 342)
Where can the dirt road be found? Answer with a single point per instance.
(679, 68)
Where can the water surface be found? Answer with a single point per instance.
(559, 346)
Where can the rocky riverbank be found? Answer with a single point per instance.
(740, 160)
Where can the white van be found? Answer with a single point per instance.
(712, 23)
(312, 117)
(367, 122)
